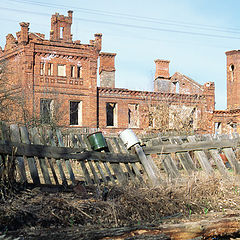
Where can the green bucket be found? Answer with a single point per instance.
(97, 141)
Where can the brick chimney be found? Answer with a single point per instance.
(161, 82)
(162, 68)
(61, 27)
(24, 32)
(107, 70)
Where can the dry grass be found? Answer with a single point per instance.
(129, 205)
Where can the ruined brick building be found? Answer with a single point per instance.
(227, 121)
(56, 79)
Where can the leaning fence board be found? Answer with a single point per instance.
(134, 167)
(101, 171)
(31, 161)
(58, 162)
(153, 175)
(119, 149)
(116, 166)
(184, 157)
(15, 137)
(217, 159)
(202, 159)
(68, 165)
(170, 167)
(42, 162)
(231, 157)
(86, 174)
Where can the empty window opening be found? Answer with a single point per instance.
(231, 69)
(133, 115)
(111, 111)
(232, 127)
(76, 113)
(61, 70)
(176, 87)
(50, 69)
(61, 32)
(72, 71)
(42, 68)
(218, 127)
(79, 71)
(46, 110)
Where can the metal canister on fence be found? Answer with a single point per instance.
(129, 138)
(97, 141)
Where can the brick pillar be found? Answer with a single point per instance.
(107, 70)
(98, 41)
(209, 92)
(24, 32)
(162, 78)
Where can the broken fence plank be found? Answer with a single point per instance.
(67, 162)
(31, 161)
(202, 158)
(15, 137)
(42, 162)
(184, 157)
(170, 167)
(85, 171)
(217, 159)
(231, 156)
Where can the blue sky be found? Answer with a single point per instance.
(193, 35)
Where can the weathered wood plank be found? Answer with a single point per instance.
(121, 177)
(95, 176)
(42, 151)
(153, 175)
(58, 162)
(184, 157)
(217, 159)
(170, 167)
(134, 167)
(202, 158)
(42, 162)
(67, 162)
(101, 171)
(15, 137)
(192, 146)
(231, 157)
(31, 161)
(82, 163)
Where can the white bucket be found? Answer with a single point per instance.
(129, 138)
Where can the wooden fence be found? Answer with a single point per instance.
(48, 157)
(42, 158)
(193, 153)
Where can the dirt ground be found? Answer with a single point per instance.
(26, 212)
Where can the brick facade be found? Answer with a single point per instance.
(57, 78)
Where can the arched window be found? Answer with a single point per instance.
(231, 69)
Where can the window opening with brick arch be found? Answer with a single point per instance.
(50, 69)
(72, 71)
(76, 113)
(42, 68)
(79, 71)
(46, 110)
(133, 115)
(217, 128)
(231, 69)
(111, 114)
(61, 70)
